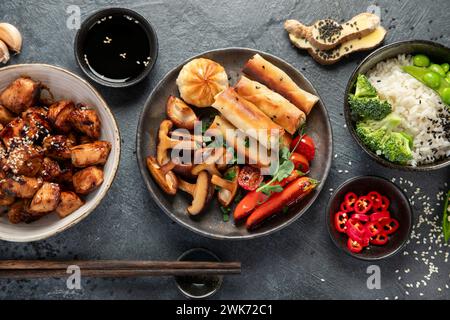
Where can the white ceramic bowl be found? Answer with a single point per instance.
(64, 84)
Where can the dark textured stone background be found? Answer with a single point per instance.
(289, 264)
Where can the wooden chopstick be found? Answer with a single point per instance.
(14, 269)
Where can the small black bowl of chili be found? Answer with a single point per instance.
(369, 218)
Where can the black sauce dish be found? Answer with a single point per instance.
(399, 209)
(116, 47)
(436, 51)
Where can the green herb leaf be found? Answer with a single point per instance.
(285, 209)
(268, 189)
(445, 221)
(225, 213)
(230, 175)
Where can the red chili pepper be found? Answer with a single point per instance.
(389, 226)
(376, 199)
(354, 246)
(380, 239)
(253, 199)
(373, 228)
(344, 207)
(384, 204)
(363, 205)
(377, 216)
(350, 199)
(355, 229)
(361, 217)
(340, 219)
(292, 192)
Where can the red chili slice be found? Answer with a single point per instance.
(376, 198)
(377, 216)
(384, 206)
(361, 217)
(340, 219)
(363, 204)
(354, 246)
(355, 229)
(344, 207)
(389, 226)
(380, 239)
(250, 178)
(372, 228)
(350, 199)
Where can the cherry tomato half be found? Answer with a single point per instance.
(305, 147)
(250, 178)
(389, 226)
(300, 162)
(363, 204)
(340, 219)
(380, 239)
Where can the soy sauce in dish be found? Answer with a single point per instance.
(116, 48)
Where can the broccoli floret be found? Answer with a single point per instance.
(397, 148)
(369, 108)
(364, 88)
(379, 136)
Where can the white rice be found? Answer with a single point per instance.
(424, 115)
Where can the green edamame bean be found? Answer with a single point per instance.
(421, 60)
(445, 67)
(445, 95)
(437, 68)
(432, 79)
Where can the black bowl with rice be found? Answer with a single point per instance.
(425, 117)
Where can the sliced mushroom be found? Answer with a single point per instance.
(87, 180)
(214, 155)
(45, 200)
(68, 204)
(90, 154)
(165, 143)
(201, 192)
(228, 185)
(180, 113)
(163, 175)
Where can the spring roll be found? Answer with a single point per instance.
(275, 106)
(253, 152)
(261, 70)
(245, 116)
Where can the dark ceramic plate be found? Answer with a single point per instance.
(210, 223)
(399, 209)
(437, 53)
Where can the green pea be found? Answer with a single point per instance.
(438, 69)
(445, 95)
(432, 79)
(421, 60)
(445, 67)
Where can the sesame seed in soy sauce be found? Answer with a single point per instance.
(116, 48)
